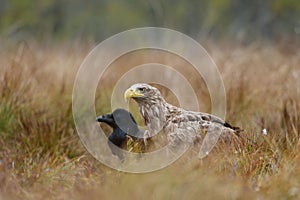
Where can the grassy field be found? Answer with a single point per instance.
(41, 156)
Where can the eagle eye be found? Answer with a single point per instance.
(142, 89)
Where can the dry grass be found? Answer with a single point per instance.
(41, 156)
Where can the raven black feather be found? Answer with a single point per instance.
(120, 135)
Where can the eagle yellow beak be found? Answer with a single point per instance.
(129, 93)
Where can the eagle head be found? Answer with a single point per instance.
(142, 91)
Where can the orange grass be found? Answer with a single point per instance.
(41, 156)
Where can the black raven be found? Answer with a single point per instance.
(120, 135)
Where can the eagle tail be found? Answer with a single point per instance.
(235, 128)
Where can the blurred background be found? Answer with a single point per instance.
(95, 20)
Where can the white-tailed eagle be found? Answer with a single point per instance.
(181, 126)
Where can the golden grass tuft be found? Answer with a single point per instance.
(41, 156)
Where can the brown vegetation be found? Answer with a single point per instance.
(41, 156)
